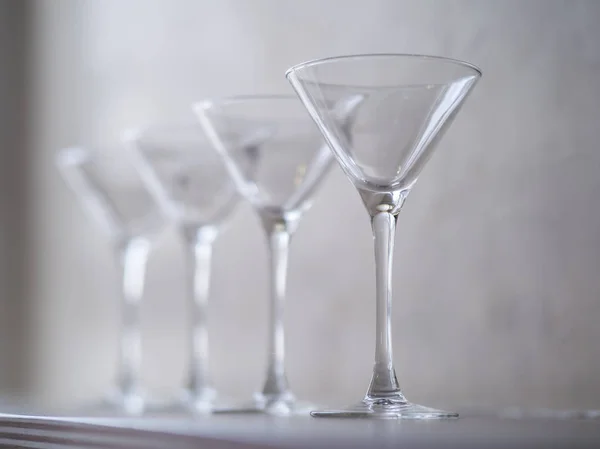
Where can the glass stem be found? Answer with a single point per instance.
(198, 248)
(133, 256)
(279, 236)
(384, 384)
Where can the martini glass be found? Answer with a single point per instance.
(403, 104)
(112, 193)
(291, 159)
(189, 181)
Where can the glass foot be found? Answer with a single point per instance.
(187, 402)
(115, 404)
(131, 403)
(385, 410)
(199, 402)
(281, 405)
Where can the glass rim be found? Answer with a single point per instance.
(211, 102)
(133, 133)
(318, 61)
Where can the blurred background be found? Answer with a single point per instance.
(497, 290)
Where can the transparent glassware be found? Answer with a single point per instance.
(112, 193)
(189, 181)
(290, 160)
(402, 104)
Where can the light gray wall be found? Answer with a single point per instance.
(496, 274)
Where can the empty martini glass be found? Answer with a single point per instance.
(403, 104)
(291, 159)
(110, 190)
(189, 181)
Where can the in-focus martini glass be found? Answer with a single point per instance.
(403, 104)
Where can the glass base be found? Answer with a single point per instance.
(187, 402)
(199, 402)
(116, 403)
(385, 410)
(280, 405)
